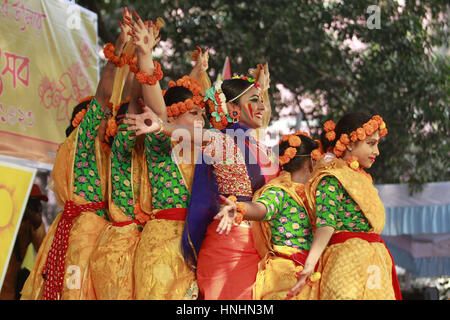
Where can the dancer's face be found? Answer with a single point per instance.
(190, 118)
(252, 108)
(366, 150)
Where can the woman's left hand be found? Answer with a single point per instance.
(226, 216)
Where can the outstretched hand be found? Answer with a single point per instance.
(226, 216)
(143, 123)
(303, 279)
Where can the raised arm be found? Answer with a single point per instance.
(145, 37)
(105, 85)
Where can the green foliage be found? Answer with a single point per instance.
(401, 73)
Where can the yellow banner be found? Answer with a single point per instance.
(48, 62)
(15, 185)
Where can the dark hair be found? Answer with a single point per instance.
(348, 123)
(231, 88)
(78, 108)
(177, 94)
(303, 153)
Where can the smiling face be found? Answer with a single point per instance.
(366, 150)
(252, 108)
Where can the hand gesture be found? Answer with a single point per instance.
(124, 36)
(264, 76)
(143, 123)
(202, 60)
(226, 215)
(142, 33)
(303, 279)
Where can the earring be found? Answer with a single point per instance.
(235, 115)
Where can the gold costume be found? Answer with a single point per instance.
(276, 275)
(83, 235)
(355, 268)
(160, 270)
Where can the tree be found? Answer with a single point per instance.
(400, 70)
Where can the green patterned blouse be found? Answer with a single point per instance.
(288, 221)
(335, 208)
(168, 186)
(121, 172)
(86, 177)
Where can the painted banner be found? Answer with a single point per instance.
(15, 186)
(48, 62)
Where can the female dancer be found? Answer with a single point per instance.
(349, 215)
(160, 270)
(226, 267)
(80, 178)
(281, 205)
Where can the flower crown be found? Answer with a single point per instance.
(193, 86)
(294, 142)
(217, 103)
(80, 115)
(367, 129)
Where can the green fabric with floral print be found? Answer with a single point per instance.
(288, 220)
(121, 172)
(335, 208)
(87, 179)
(168, 186)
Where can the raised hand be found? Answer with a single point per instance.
(226, 216)
(142, 33)
(202, 60)
(124, 36)
(264, 76)
(143, 123)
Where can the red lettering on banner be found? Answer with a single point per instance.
(85, 53)
(1, 81)
(4, 9)
(28, 16)
(21, 71)
(14, 115)
(64, 93)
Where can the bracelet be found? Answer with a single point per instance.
(161, 125)
(122, 60)
(145, 78)
(241, 212)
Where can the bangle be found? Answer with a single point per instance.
(122, 60)
(145, 78)
(161, 125)
(241, 212)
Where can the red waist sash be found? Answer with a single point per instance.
(172, 214)
(299, 258)
(369, 237)
(53, 272)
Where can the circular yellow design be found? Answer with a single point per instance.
(7, 207)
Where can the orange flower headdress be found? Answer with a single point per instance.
(367, 129)
(80, 115)
(193, 86)
(294, 142)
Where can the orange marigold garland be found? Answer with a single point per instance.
(367, 129)
(294, 142)
(145, 78)
(193, 86)
(78, 118)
